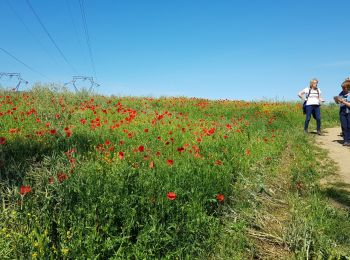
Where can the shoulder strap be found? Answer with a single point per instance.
(308, 94)
(318, 94)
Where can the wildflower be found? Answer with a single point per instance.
(180, 149)
(220, 197)
(210, 131)
(39, 133)
(171, 195)
(24, 190)
(62, 176)
(13, 130)
(2, 140)
(170, 162)
(121, 155)
(247, 152)
(151, 164)
(68, 133)
(218, 162)
(141, 148)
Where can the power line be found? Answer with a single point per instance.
(18, 60)
(27, 28)
(78, 38)
(83, 16)
(49, 35)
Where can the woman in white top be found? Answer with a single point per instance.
(313, 99)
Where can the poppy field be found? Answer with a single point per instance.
(89, 176)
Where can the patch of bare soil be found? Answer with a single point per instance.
(337, 186)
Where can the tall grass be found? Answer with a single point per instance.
(122, 177)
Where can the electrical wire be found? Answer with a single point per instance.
(24, 64)
(30, 31)
(49, 35)
(83, 16)
(77, 35)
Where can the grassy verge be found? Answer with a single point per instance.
(141, 178)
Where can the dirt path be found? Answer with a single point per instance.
(338, 185)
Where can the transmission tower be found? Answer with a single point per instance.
(83, 78)
(14, 76)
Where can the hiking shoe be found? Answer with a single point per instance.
(306, 132)
(346, 144)
(319, 132)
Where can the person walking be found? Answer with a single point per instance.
(312, 98)
(343, 94)
(344, 112)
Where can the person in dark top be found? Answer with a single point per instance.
(344, 112)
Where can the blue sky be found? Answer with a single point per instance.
(251, 50)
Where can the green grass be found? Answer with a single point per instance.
(101, 170)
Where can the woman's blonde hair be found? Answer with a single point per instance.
(313, 80)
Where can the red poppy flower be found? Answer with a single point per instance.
(220, 197)
(170, 162)
(53, 131)
(171, 195)
(181, 149)
(39, 133)
(218, 162)
(247, 152)
(2, 140)
(151, 164)
(211, 131)
(141, 148)
(62, 176)
(68, 133)
(24, 190)
(121, 155)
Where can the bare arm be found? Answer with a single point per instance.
(301, 95)
(344, 102)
